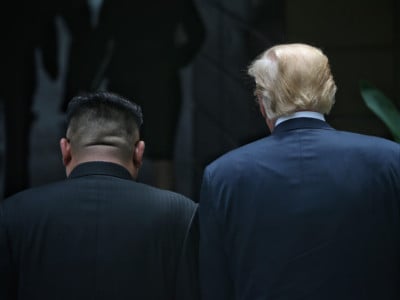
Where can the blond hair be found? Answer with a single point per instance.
(293, 77)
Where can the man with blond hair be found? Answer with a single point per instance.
(308, 212)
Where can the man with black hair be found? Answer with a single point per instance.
(99, 234)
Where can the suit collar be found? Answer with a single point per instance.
(100, 168)
(301, 123)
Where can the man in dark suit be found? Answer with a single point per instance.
(98, 234)
(308, 212)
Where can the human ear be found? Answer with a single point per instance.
(138, 154)
(65, 147)
(262, 108)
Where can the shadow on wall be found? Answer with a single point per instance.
(226, 115)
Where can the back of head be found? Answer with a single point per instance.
(103, 120)
(293, 77)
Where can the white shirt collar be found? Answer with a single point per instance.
(301, 114)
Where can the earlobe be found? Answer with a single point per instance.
(65, 147)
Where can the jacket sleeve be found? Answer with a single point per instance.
(8, 277)
(215, 280)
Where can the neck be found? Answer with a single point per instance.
(101, 153)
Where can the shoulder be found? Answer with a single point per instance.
(123, 196)
(367, 138)
(173, 198)
(367, 144)
(238, 159)
(170, 210)
(166, 201)
(34, 194)
(31, 202)
(37, 192)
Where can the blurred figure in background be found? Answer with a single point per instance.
(76, 15)
(32, 28)
(143, 45)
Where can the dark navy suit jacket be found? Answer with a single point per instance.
(97, 235)
(306, 213)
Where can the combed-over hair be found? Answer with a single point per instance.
(293, 77)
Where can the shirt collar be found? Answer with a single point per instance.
(100, 168)
(301, 114)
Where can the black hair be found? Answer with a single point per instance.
(82, 102)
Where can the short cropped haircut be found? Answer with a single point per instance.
(103, 118)
(293, 77)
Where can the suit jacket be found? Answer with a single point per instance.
(97, 235)
(306, 213)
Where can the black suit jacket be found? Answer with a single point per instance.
(307, 213)
(97, 235)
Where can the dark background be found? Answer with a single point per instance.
(218, 111)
